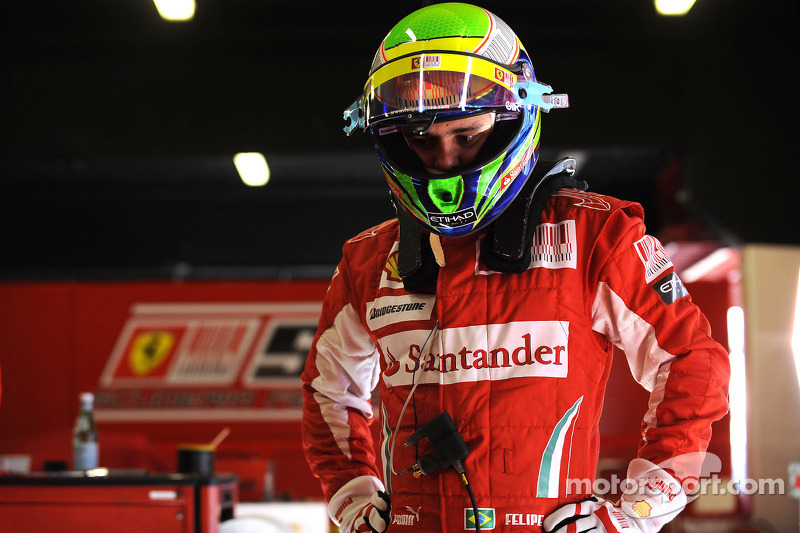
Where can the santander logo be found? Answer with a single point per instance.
(476, 353)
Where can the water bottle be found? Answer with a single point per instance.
(84, 436)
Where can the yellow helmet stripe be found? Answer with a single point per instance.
(475, 65)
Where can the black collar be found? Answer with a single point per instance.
(507, 247)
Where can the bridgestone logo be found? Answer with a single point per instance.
(387, 309)
(392, 309)
(468, 354)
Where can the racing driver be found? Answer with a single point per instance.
(486, 313)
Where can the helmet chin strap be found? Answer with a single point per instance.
(507, 246)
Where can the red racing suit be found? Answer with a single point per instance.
(520, 361)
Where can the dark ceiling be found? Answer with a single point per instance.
(118, 128)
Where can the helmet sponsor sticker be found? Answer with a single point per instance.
(426, 61)
(516, 169)
(484, 518)
(653, 256)
(453, 220)
(476, 353)
(670, 288)
(391, 309)
(503, 76)
(387, 130)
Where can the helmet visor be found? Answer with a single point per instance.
(438, 83)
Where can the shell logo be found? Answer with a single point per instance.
(391, 267)
(642, 508)
(149, 350)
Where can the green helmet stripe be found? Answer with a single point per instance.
(490, 198)
(405, 187)
(487, 173)
(450, 20)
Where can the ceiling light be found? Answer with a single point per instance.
(175, 10)
(252, 168)
(673, 7)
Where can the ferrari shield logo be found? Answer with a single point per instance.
(149, 350)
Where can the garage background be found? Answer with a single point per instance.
(118, 128)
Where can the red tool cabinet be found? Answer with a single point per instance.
(122, 503)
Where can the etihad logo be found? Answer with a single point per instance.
(476, 353)
(391, 309)
(670, 288)
(453, 220)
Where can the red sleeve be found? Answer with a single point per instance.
(642, 306)
(341, 371)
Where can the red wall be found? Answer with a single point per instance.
(55, 339)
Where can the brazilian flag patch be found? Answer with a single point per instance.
(485, 518)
